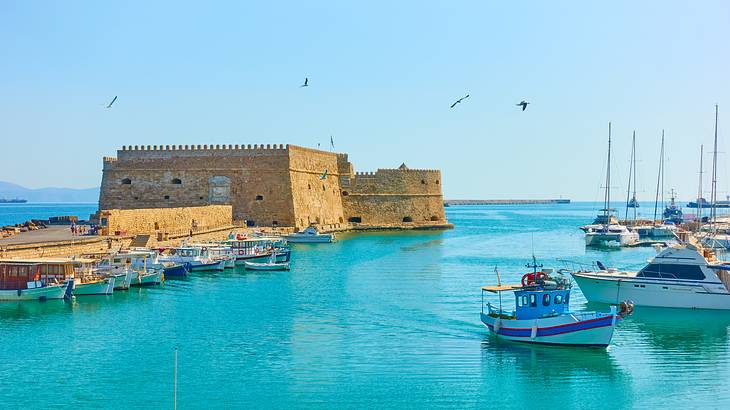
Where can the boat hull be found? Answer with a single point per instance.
(177, 271)
(652, 293)
(309, 239)
(600, 239)
(266, 266)
(148, 279)
(567, 330)
(100, 287)
(44, 293)
(264, 257)
(213, 266)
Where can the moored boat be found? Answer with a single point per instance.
(26, 281)
(310, 235)
(195, 258)
(680, 276)
(271, 265)
(542, 314)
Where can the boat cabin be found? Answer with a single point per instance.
(37, 272)
(189, 252)
(254, 246)
(535, 304)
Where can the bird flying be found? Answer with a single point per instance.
(306, 83)
(459, 100)
(523, 104)
(110, 104)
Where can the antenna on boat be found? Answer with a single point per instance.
(499, 283)
(174, 391)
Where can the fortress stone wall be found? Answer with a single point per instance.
(271, 185)
(168, 220)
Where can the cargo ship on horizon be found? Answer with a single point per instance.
(13, 201)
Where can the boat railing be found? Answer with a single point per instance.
(575, 266)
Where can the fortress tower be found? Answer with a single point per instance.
(272, 185)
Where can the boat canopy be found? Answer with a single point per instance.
(501, 288)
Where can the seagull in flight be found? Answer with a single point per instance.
(306, 83)
(459, 100)
(110, 104)
(523, 104)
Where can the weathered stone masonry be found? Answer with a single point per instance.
(272, 185)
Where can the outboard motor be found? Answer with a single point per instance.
(626, 308)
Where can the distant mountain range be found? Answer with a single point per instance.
(11, 191)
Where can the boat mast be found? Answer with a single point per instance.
(659, 179)
(713, 195)
(607, 195)
(631, 172)
(699, 191)
(633, 149)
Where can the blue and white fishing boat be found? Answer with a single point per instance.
(542, 314)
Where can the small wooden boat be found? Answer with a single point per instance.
(100, 286)
(148, 278)
(272, 264)
(542, 315)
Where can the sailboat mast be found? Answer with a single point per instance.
(664, 205)
(659, 178)
(631, 171)
(699, 191)
(713, 210)
(607, 195)
(633, 148)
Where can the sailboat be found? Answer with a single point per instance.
(609, 234)
(707, 235)
(659, 230)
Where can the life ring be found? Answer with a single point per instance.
(528, 279)
(204, 249)
(240, 252)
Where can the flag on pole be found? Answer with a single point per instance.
(324, 175)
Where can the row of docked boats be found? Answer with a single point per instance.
(58, 278)
(607, 231)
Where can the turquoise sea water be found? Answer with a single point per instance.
(374, 320)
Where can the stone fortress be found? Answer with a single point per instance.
(267, 186)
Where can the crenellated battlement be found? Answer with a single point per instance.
(395, 171)
(204, 147)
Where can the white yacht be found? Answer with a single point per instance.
(680, 276)
(611, 236)
(310, 235)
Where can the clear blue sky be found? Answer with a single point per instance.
(382, 76)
